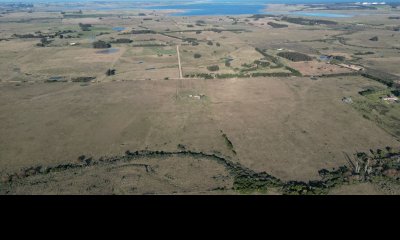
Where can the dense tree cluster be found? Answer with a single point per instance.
(295, 56)
(386, 78)
(144, 31)
(44, 42)
(101, 44)
(123, 40)
(258, 16)
(305, 21)
(277, 25)
(85, 27)
(29, 35)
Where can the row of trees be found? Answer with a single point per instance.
(295, 56)
(305, 21)
(277, 25)
(122, 40)
(85, 26)
(101, 44)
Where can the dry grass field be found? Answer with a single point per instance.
(275, 125)
(315, 68)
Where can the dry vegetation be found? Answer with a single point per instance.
(259, 107)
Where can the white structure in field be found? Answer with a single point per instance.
(391, 98)
(351, 66)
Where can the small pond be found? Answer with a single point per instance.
(118, 29)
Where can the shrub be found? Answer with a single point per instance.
(210, 43)
(213, 68)
(339, 58)
(43, 42)
(374, 39)
(110, 72)
(85, 27)
(101, 44)
(262, 63)
(197, 55)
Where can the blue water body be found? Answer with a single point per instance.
(324, 58)
(195, 8)
(212, 9)
(209, 9)
(118, 29)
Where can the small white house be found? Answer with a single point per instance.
(390, 99)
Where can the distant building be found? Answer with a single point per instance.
(390, 98)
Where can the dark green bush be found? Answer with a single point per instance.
(101, 44)
(213, 68)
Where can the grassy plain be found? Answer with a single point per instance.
(266, 114)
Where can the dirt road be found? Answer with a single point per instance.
(179, 62)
